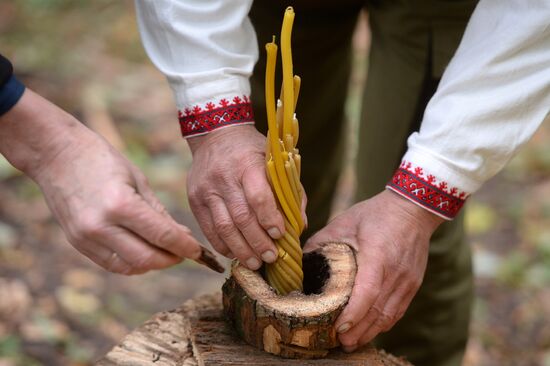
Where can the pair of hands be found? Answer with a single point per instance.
(232, 200)
(102, 201)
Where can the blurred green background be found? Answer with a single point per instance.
(58, 308)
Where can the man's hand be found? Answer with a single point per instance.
(391, 236)
(101, 200)
(231, 197)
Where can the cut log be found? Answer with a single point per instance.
(196, 334)
(298, 325)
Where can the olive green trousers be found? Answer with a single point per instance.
(411, 43)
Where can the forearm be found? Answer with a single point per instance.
(492, 98)
(207, 50)
(34, 131)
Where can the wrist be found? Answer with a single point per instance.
(230, 132)
(34, 132)
(418, 214)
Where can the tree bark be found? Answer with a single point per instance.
(196, 334)
(298, 325)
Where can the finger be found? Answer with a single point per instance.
(155, 228)
(262, 202)
(102, 256)
(143, 188)
(231, 236)
(336, 231)
(247, 223)
(132, 250)
(206, 222)
(388, 316)
(351, 339)
(403, 306)
(322, 236)
(311, 245)
(116, 264)
(366, 290)
(304, 206)
(118, 251)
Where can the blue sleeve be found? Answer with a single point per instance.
(10, 93)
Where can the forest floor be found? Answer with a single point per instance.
(58, 308)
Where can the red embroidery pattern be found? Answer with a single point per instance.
(197, 121)
(427, 190)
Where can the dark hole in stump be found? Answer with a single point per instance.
(316, 273)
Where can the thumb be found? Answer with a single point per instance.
(159, 229)
(261, 200)
(313, 243)
(336, 231)
(144, 190)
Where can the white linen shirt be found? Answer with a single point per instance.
(492, 97)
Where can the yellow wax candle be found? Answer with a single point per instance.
(295, 131)
(295, 127)
(280, 196)
(280, 113)
(290, 248)
(282, 163)
(288, 75)
(292, 181)
(271, 49)
(297, 83)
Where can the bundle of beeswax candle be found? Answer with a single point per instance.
(283, 163)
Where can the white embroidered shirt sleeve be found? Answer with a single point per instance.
(207, 50)
(491, 99)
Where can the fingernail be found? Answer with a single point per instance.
(349, 349)
(344, 327)
(274, 232)
(253, 263)
(269, 256)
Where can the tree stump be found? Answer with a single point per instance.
(196, 334)
(298, 325)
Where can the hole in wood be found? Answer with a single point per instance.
(316, 273)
